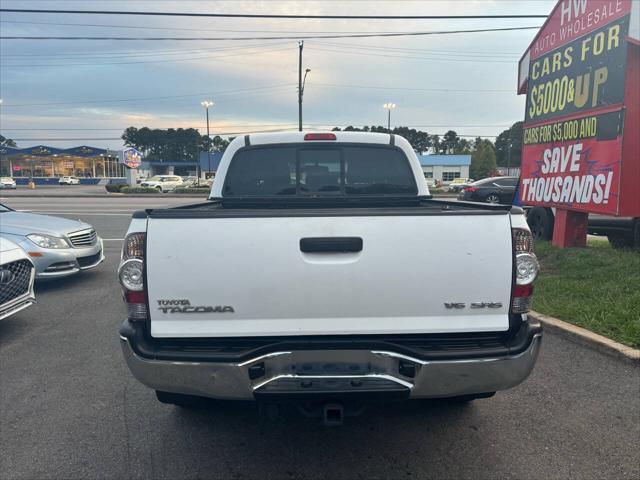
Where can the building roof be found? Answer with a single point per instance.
(444, 160)
(44, 150)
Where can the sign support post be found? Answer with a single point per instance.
(570, 229)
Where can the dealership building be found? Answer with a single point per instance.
(45, 164)
(92, 165)
(445, 168)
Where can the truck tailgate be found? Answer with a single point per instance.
(229, 277)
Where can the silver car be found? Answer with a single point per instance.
(16, 279)
(58, 247)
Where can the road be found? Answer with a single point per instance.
(70, 409)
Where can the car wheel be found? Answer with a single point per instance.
(540, 222)
(159, 189)
(492, 198)
(179, 399)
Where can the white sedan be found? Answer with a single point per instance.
(7, 182)
(69, 181)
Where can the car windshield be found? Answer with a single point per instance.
(4, 209)
(154, 179)
(319, 170)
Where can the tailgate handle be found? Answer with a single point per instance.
(331, 244)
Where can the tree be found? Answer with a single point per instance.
(451, 141)
(483, 159)
(172, 144)
(512, 135)
(7, 142)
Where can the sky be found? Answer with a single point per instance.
(67, 93)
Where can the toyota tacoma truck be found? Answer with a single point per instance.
(308, 277)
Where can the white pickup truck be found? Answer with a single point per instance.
(319, 272)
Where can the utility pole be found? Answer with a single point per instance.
(206, 104)
(300, 47)
(389, 107)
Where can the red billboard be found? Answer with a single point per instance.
(574, 75)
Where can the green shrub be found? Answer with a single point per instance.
(126, 189)
(114, 188)
(201, 190)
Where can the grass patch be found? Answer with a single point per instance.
(597, 288)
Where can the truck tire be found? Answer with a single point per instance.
(179, 399)
(540, 222)
(621, 240)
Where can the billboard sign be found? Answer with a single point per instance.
(574, 118)
(131, 157)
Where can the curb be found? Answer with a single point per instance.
(588, 338)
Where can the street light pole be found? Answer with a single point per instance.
(389, 107)
(206, 104)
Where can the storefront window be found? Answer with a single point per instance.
(58, 166)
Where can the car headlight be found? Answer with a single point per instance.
(47, 241)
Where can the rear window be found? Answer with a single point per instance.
(319, 170)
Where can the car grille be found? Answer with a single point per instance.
(90, 260)
(17, 283)
(83, 238)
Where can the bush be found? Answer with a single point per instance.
(114, 187)
(204, 190)
(126, 189)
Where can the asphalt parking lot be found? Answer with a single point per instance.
(70, 409)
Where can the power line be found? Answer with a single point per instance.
(347, 50)
(144, 27)
(419, 50)
(137, 99)
(285, 37)
(271, 15)
(454, 90)
(137, 53)
(132, 62)
(277, 86)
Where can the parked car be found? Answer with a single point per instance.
(191, 181)
(69, 181)
(163, 183)
(490, 190)
(431, 182)
(303, 279)
(58, 247)
(17, 275)
(7, 183)
(459, 183)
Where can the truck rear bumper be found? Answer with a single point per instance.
(335, 372)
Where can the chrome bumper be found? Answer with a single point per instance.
(299, 369)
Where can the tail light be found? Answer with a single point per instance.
(132, 277)
(470, 189)
(320, 136)
(527, 268)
